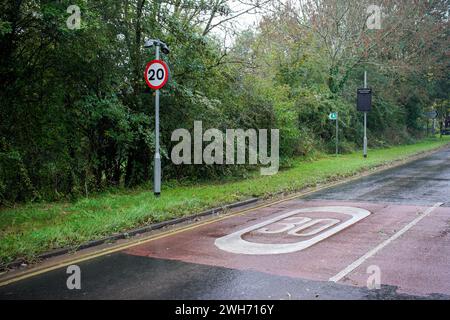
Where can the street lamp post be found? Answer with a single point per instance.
(157, 169)
(159, 45)
(364, 104)
(365, 119)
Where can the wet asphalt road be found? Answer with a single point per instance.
(122, 276)
(422, 182)
(126, 276)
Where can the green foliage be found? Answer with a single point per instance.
(77, 118)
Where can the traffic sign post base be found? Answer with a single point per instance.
(365, 135)
(157, 175)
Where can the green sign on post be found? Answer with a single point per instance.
(334, 116)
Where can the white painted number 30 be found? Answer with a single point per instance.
(290, 223)
(293, 226)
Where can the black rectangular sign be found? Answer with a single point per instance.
(364, 102)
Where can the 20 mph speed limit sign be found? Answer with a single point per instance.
(156, 74)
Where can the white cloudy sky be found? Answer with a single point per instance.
(242, 22)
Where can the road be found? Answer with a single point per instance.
(391, 228)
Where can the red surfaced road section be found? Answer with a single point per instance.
(418, 262)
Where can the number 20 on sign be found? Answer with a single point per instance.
(156, 74)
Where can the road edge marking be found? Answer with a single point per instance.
(351, 267)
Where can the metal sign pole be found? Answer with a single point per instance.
(365, 119)
(156, 76)
(337, 133)
(157, 166)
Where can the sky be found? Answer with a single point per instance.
(241, 23)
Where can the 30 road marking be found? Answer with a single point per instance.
(374, 251)
(235, 244)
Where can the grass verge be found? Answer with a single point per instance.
(29, 230)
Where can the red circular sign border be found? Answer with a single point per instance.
(166, 69)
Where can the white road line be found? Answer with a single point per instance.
(372, 252)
